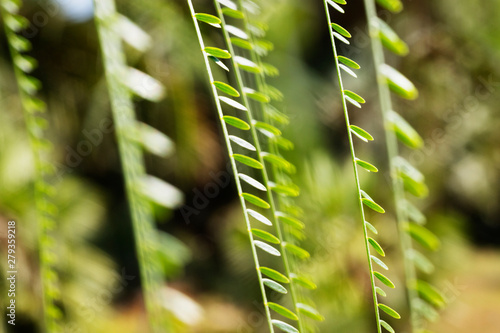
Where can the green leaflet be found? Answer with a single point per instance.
(297, 251)
(354, 96)
(267, 248)
(341, 30)
(380, 291)
(398, 82)
(234, 13)
(361, 133)
(310, 311)
(367, 166)
(379, 262)
(251, 162)
(284, 326)
(282, 310)
(253, 182)
(373, 205)
(236, 122)
(217, 53)
(376, 246)
(239, 42)
(207, 18)
(395, 6)
(290, 220)
(255, 200)
(273, 274)
(303, 281)
(384, 279)
(391, 312)
(371, 227)
(275, 286)
(390, 39)
(423, 235)
(259, 217)
(430, 294)
(267, 127)
(226, 88)
(348, 62)
(421, 262)
(247, 65)
(387, 326)
(265, 236)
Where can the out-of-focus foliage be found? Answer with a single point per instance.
(454, 48)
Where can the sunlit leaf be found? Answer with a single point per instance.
(247, 65)
(394, 6)
(341, 30)
(297, 251)
(391, 312)
(390, 39)
(430, 293)
(233, 103)
(379, 262)
(218, 53)
(274, 286)
(265, 236)
(348, 62)
(334, 5)
(376, 246)
(373, 205)
(282, 311)
(234, 13)
(251, 181)
(365, 165)
(268, 248)
(226, 88)
(256, 95)
(384, 279)
(273, 274)
(255, 200)
(287, 328)
(236, 32)
(259, 217)
(236, 122)
(387, 326)
(423, 235)
(303, 281)
(291, 221)
(310, 311)
(398, 82)
(361, 133)
(242, 143)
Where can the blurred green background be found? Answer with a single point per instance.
(454, 52)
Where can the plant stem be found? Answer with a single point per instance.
(355, 169)
(260, 79)
(132, 159)
(233, 162)
(392, 151)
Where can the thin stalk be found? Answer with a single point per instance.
(265, 176)
(46, 222)
(260, 80)
(233, 163)
(132, 159)
(392, 151)
(355, 169)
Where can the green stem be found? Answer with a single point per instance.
(233, 162)
(355, 169)
(46, 220)
(132, 159)
(260, 79)
(392, 151)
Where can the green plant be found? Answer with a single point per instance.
(45, 190)
(405, 177)
(343, 63)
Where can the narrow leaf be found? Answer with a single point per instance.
(236, 122)
(376, 246)
(297, 251)
(275, 275)
(268, 248)
(361, 133)
(384, 279)
(209, 19)
(391, 312)
(217, 53)
(310, 311)
(373, 205)
(274, 286)
(144, 85)
(237, 32)
(290, 190)
(379, 262)
(282, 311)
(420, 261)
(367, 166)
(233, 103)
(371, 227)
(380, 291)
(259, 217)
(265, 236)
(160, 192)
(226, 88)
(341, 38)
(341, 30)
(228, 3)
(398, 82)
(387, 326)
(247, 65)
(234, 13)
(154, 141)
(303, 281)
(249, 180)
(394, 6)
(256, 95)
(278, 162)
(244, 44)
(390, 39)
(291, 221)
(255, 200)
(354, 96)
(430, 294)
(348, 62)
(242, 143)
(287, 328)
(352, 101)
(423, 235)
(218, 63)
(266, 127)
(334, 5)
(348, 70)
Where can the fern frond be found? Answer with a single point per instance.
(234, 35)
(338, 33)
(405, 177)
(132, 136)
(36, 124)
(265, 120)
